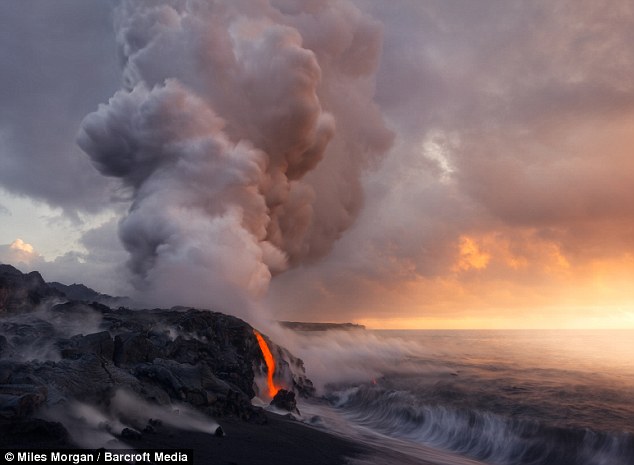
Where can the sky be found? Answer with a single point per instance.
(408, 164)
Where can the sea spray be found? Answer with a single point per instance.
(482, 435)
(457, 391)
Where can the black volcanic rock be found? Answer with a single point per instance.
(56, 355)
(128, 433)
(3, 346)
(133, 348)
(20, 400)
(25, 433)
(100, 344)
(285, 400)
(290, 370)
(23, 292)
(81, 293)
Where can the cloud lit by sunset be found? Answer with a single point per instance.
(421, 165)
(20, 246)
(18, 252)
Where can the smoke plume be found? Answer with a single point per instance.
(240, 135)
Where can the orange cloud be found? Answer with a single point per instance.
(471, 255)
(20, 246)
(19, 252)
(505, 278)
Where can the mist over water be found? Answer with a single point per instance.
(501, 397)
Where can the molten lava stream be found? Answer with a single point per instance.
(270, 364)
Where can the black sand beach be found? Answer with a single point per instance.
(280, 441)
(284, 441)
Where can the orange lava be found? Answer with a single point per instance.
(270, 364)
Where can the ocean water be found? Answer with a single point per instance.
(490, 397)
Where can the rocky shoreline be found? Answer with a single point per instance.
(82, 374)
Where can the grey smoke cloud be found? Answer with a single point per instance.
(241, 135)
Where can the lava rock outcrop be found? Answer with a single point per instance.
(55, 351)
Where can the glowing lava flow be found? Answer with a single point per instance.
(270, 364)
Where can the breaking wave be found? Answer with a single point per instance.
(483, 435)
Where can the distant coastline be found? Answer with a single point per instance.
(307, 326)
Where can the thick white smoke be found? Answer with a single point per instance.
(241, 134)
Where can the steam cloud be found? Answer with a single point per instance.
(240, 134)
(338, 357)
(93, 428)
